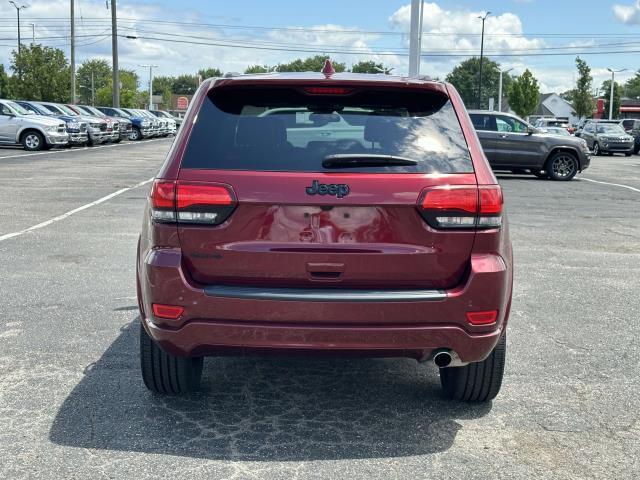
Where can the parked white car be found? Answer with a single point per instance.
(34, 132)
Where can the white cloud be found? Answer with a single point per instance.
(628, 14)
(447, 30)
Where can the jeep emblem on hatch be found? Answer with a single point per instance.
(338, 189)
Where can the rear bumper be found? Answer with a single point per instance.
(213, 324)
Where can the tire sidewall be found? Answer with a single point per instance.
(549, 167)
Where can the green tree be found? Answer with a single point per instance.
(257, 69)
(309, 64)
(465, 78)
(162, 86)
(40, 73)
(582, 99)
(368, 66)
(632, 87)
(100, 70)
(185, 84)
(606, 93)
(4, 83)
(524, 94)
(210, 72)
(129, 94)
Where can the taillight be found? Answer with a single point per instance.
(191, 202)
(328, 90)
(462, 206)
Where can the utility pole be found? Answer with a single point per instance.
(415, 38)
(500, 89)
(18, 8)
(93, 90)
(73, 55)
(151, 67)
(613, 76)
(483, 18)
(114, 53)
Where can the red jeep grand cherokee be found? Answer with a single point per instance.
(335, 213)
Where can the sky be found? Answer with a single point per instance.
(184, 36)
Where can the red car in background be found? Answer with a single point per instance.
(345, 214)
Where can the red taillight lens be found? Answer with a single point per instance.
(462, 206)
(191, 202)
(451, 198)
(482, 318)
(163, 194)
(172, 312)
(490, 199)
(328, 90)
(196, 194)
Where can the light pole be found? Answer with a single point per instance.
(33, 34)
(613, 76)
(18, 8)
(415, 38)
(151, 67)
(483, 18)
(500, 89)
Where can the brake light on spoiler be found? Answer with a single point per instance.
(462, 206)
(191, 202)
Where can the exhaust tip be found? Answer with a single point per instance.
(442, 359)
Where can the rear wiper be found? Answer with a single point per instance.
(348, 160)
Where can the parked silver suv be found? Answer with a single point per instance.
(510, 143)
(606, 136)
(34, 132)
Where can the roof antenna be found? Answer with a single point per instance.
(328, 69)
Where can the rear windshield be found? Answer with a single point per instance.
(290, 130)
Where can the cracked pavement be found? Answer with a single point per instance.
(73, 405)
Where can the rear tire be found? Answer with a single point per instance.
(562, 166)
(596, 149)
(476, 382)
(165, 373)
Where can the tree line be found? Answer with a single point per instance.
(42, 73)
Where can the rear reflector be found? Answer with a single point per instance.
(172, 312)
(462, 206)
(482, 318)
(191, 202)
(328, 90)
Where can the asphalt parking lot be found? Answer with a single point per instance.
(73, 405)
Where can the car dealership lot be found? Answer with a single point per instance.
(72, 403)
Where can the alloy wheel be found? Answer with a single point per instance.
(32, 141)
(564, 166)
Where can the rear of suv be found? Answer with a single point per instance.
(339, 214)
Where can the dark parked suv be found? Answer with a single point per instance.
(632, 127)
(606, 136)
(345, 214)
(512, 144)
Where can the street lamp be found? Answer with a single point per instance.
(483, 18)
(151, 67)
(613, 76)
(500, 89)
(18, 8)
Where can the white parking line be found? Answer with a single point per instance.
(612, 184)
(71, 212)
(97, 147)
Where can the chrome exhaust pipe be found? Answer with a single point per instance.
(443, 358)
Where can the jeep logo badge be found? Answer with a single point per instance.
(340, 190)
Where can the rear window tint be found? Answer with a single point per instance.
(283, 129)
